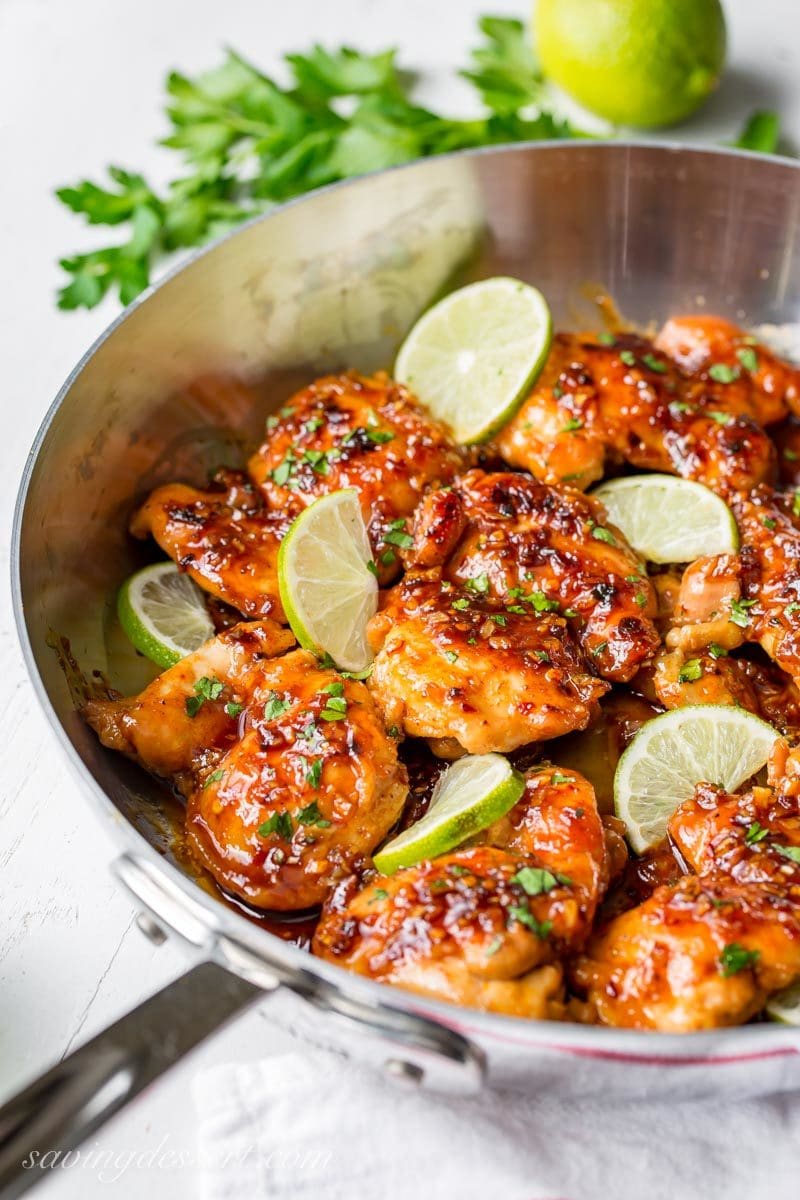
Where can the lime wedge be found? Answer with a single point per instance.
(669, 520)
(164, 614)
(472, 357)
(670, 755)
(785, 1006)
(469, 796)
(327, 589)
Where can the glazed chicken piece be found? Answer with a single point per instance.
(752, 837)
(350, 431)
(536, 547)
(289, 774)
(711, 676)
(700, 955)
(486, 924)
(709, 950)
(597, 404)
(225, 539)
(469, 673)
(753, 596)
(720, 356)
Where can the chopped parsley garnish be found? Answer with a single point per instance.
(498, 618)
(541, 603)
(313, 424)
(214, 777)
(792, 608)
(606, 339)
(314, 773)
(572, 424)
(603, 535)
(461, 603)
(678, 407)
(205, 688)
(372, 566)
(796, 504)
(451, 656)
(755, 833)
(691, 671)
(535, 880)
(654, 363)
(335, 709)
(768, 522)
(735, 958)
(457, 869)
(380, 436)
(280, 823)
(310, 815)
(494, 946)
(790, 852)
(542, 656)
(717, 651)
(721, 418)
(378, 894)
(519, 912)
(599, 649)
(628, 357)
(388, 557)
(748, 358)
(281, 473)
(393, 731)
(232, 709)
(479, 584)
(641, 599)
(396, 534)
(738, 613)
(275, 707)
(558, 778)
(723, 373)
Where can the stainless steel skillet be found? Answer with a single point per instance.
(180, 382)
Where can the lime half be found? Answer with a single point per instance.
(785, 1005)
(164, 613)
(472, 357)
(469, 796)
(670, 755)
(328, 590)
(669, 520)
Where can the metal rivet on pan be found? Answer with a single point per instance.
(403, 1072)
(151, 929)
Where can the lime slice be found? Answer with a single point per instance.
(670, 755)
(327, 589)
(785, 1005)
(473, 356)
(164, 614)
(669, 520)
(469, 796)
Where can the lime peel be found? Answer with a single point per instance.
(327, 590)
(669, 520)
(670, 755)
(163, 613)
(472, 358)
(469, 796)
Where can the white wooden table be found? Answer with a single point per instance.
(80, 85)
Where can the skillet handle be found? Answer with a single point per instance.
(63, 1107)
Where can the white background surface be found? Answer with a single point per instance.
(80, 85)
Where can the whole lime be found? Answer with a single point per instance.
(635, 62)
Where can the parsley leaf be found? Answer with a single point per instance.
(761, 132)
(519, 912)
(691, 671)
(735, 958)
(535, 880)
(310, 815)
(280, 823)
(275, 707)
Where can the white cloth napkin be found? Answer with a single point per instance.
(309, 1124)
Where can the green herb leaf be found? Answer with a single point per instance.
(233, 710)
(723, 373)
(755, 833)
(310, 815)
(604, 535)
(790, 852)
(275, 707)
(280, 823)
(535, 880)
(739, 614)
(748, 358)
(519, 912)
(314, 773)
(735, 958)
(761, 132)
(691, 671)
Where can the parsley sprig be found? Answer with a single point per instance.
(247, 143)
